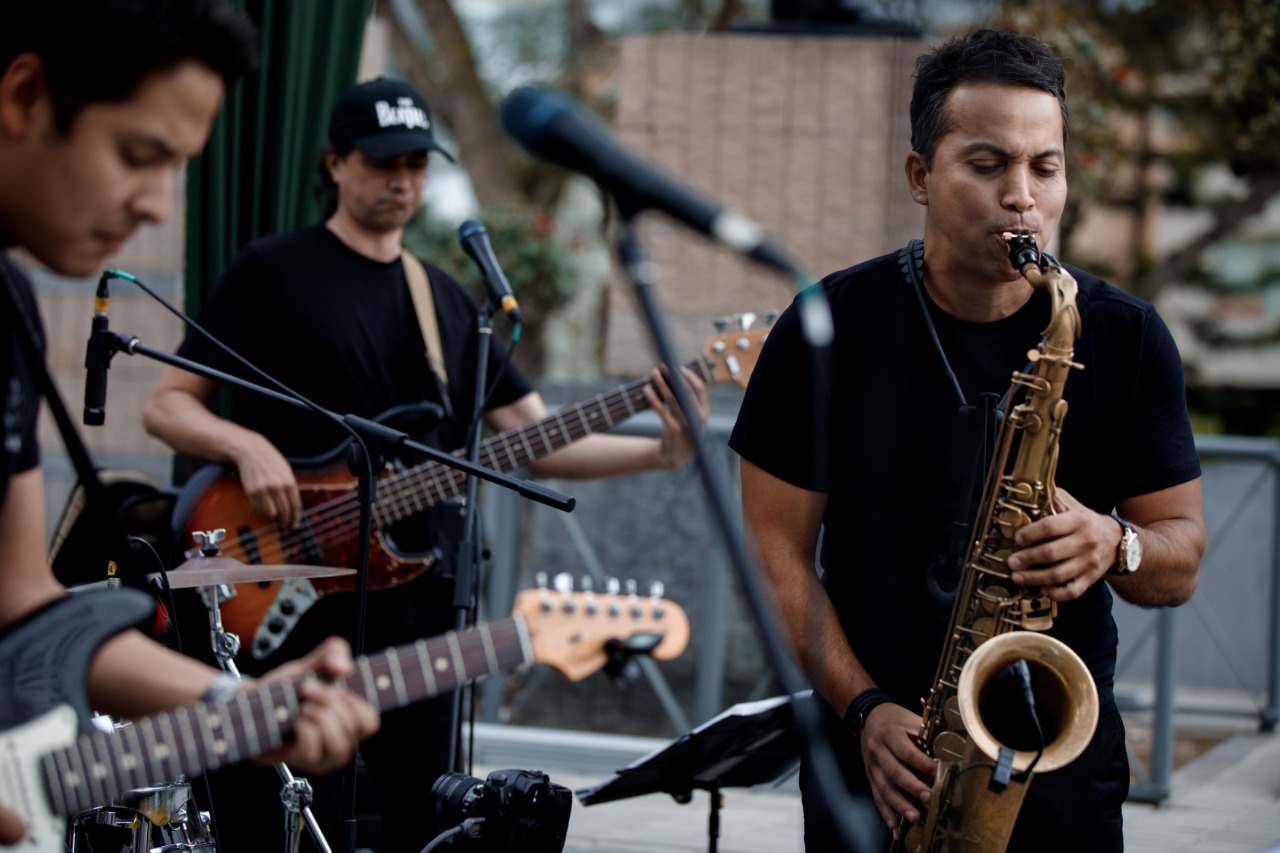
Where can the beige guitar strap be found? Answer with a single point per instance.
(420, 290)
(425, 307)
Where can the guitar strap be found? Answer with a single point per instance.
(116, 542)
(425, 306)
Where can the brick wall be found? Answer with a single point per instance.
(805, 135)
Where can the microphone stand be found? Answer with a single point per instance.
(848, 814)
(362, 468)
(470, 549)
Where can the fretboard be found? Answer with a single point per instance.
(98, 766)
(409, 492)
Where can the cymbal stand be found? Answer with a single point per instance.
(295, 794)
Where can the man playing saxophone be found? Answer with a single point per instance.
(884, 453)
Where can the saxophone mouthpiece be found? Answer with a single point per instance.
(1022, 249)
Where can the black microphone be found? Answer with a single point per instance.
(555, 127)
(97, 358)
(475, 242)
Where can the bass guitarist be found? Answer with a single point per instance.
(328, 311)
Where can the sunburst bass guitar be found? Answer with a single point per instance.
(264, 614)
(53, 768)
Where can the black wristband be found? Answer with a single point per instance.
(855, 716)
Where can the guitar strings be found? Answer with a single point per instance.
(329, 523)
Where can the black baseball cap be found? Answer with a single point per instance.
(384, 118)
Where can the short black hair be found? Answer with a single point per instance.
(984, 56)
(326, 191)
(100, 51)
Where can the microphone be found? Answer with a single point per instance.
(97, 358)
(475, 242)
(555, 127)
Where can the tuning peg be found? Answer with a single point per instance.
(768, 317)
(722, 323)
(589, 603)
(656, 591)
(612, 587)
(544, 597)
(563, 583)
(745, 320)
(633, 597)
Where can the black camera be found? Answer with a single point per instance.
(522, 810)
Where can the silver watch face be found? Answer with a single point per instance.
(1132, 551)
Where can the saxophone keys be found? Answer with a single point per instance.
(950, 716)
(949, 746)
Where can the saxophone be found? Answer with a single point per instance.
(1006, 701)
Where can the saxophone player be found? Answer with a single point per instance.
(886, 459)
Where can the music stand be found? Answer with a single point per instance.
(751, 743)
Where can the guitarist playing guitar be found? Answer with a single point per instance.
(88, 152)
(328, 311)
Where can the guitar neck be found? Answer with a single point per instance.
(98, 766)
(409, 492)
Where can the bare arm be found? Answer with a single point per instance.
(602, 455)
(783, 523)
(176, 414)
(1073, 550)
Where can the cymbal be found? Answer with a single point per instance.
(210, 571)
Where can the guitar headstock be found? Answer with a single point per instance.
(575, 632)
(731, 355)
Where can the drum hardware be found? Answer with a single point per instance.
(159, 819)
(295, 793)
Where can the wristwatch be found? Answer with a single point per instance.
(1128, 552)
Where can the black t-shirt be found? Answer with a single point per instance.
(340, 329)
(19, 395)
(901, 460)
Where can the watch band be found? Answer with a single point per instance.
(855, 716)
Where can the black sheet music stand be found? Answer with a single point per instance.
(752, 743)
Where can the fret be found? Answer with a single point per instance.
(100, 766)
(79, 775)
(189, 742)
(365, 681)
(214, 746)
(490, 657)
(604, 409)
(397, 679)
(54, 781)
(629, 400)
(162, 748)
(546, 439)
(582, 419)
(424, 661)
(459, 666)
(72, 792)
(566, 436)
(210, 722)
(511, 456)
(248, 726)
(136, 748)
(529, 453)
(274, 735)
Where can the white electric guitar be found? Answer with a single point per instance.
(49, 772)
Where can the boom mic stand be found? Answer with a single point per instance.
(641, 272)
(361, 429)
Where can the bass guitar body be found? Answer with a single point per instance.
(265, 612)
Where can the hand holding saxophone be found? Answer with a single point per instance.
(1065, 553)
(900, 773)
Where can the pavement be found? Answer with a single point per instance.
(1225, 801)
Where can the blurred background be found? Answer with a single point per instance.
(794, 113)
